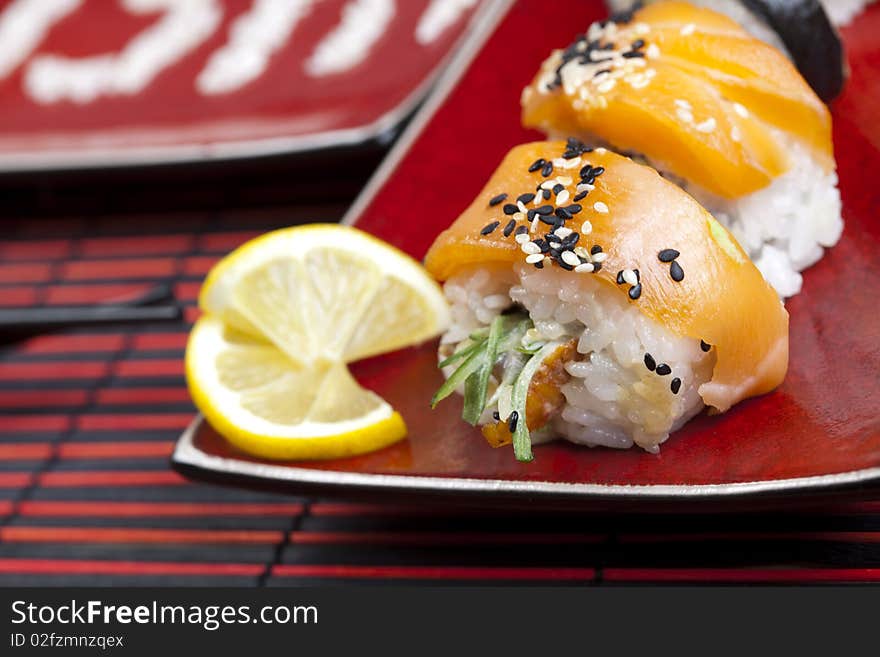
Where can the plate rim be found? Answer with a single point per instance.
(187, 455)
(59, 159)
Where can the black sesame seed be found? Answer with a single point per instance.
(675, 386)
(635, 291)
(595, 249)
(495, 200)
(588, 180)
(550, 220)
(539, 265)
(676, 271)
(597, 266)
(562, 263)
(633, 54)
(705, 346)
(663, 369)
(571, 241)
(488, 228)
(562, 213)
(574, 208)
(542, 244)
(650, 363)
(602, 71)
(525, 198)
(638, 275)
(530, 214)
(537, 164)
(508, 229)
(522, 230)
(598, 171)
(512, 420)
(580, 196)
(544, 209)
(546, 194)
(558, 188)
(510, 208)
(637, 44)
(619, 278)
(668, 255)
(547, 169)
(586, 171)
(496, 416)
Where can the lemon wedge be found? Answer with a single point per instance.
(283, 316)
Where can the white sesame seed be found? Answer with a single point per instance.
(563, 232)
(562, 197)
(601, 150)
(641, 83)
(522, 207)
(683, 103)
(569, 258)
(586, 228)
(582, 252)
(573, 163)
(707, 126)
(688, 29)
(564, 180)
(735, 134)
(548, 184)
(601, 102)
(522, 238)
(652, 51)
(641, 28)
(629, 276)
(600, 207)
(585, 268)
(559, 162)
(684, 115)
(741, 110)
(577, 103)
(606, 86)
(584, 187)
(600, 257)
(534, 257)
(530, 248)
(534, 227)
(650, 73)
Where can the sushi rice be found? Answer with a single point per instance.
(612, 398)
(784, 226)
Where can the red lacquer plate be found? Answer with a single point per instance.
(820, 431)
(100, 83)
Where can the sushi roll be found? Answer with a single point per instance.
(726, 116)
(801, 29)
(595, 301)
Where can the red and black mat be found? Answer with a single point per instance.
(88, 420)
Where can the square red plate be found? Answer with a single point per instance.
(819, 430)
(103, 83)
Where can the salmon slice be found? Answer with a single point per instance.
(635, 214)
(692, 91)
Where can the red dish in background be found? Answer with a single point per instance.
(283, 109)
(820, 429)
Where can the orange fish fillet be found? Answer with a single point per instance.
(706, 100)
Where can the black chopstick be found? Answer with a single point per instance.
(39, 319)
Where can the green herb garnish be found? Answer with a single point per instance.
(502, 340)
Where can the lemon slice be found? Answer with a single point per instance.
(325, 293)
(284, 314)
(267, 405)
